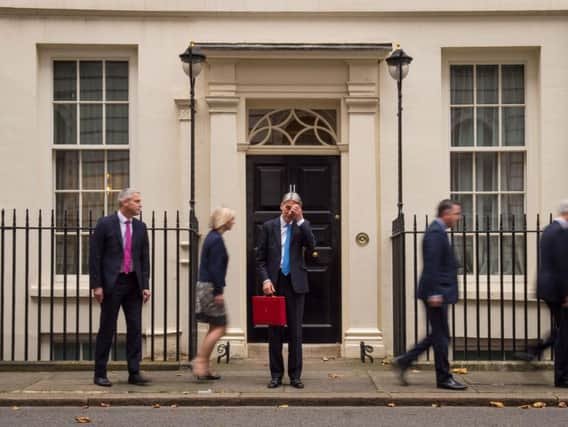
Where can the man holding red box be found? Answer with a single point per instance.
(282, 269)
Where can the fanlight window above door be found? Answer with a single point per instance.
(292, 126)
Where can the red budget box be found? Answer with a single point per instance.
(269, 311)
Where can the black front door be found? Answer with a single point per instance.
(317, 181)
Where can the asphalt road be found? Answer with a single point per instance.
(291, 416)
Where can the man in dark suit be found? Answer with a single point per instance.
(437, 288)
(119, 268)
(552, 287)
(282, 269)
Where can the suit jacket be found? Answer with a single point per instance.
(106, 253)
(552, 281)
(440, 271)
(269, 252)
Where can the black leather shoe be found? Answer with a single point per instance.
(451, 384)
(275, 382)
(400, 369)
(524, 356)
(137, 379)
(102, 381)
(296, 383)
(208, 377)
(562, 384)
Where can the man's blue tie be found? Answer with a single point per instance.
(286, 259)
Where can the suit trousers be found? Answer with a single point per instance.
(438, 338)
(294, 318)
(126, 294)
(561, 345)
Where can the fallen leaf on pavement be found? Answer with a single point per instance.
(391, 404)
(459, 371)
(15, 408)
(85, 407)
(325, 359)
(282, 406)
(415, 371)
(334, 376)
(173, 406)
(105, 405)
(562, 405)
(179, 375)
(436, 405)
(385, 361)
(82, 420)
(497, 404)
(156, 406)
(539, 405)
(524, 406)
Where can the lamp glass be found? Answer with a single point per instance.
(394, 71)
(197, 66)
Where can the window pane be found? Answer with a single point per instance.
(93, 203)
(466, 202)
(513, 77)
(462, 126)
(85, 254)
(487, 84)
(66, 170)
(461, 84)
(513, 208)
(112, 201)
(66, 202)
(487, 126)
(93, 170)
(486, 172)
(487, 210)
(513, 254)
(116, 124)
(512, 171)
(117, 81)
(65, 124)
(462, 171)
(91, 124)
(64, 80)
(464, 259)
(91, 84)
(66, 249)
(488, 254)
(118, 170)
(513, 126)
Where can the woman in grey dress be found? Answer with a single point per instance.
(210, 302)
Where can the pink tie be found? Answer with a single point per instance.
(127, 249)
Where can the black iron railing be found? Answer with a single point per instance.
(46, 311)
(498, 313)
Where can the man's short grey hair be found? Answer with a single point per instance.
(563, 207)
(126, 194)
(292, 196)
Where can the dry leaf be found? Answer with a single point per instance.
(325, 359)
(283, 406)
(391, 404)
(179, 375)
(334, 376)
(524, 406)
(497, 404)
(385, 362)
(415, 371)
(173, 406)
(459, 371)
(15, 408)
(156, 406)
(105, 405)
(82, 420)
(539, 405)
(435, 405)
(562, 404)
(85, 407)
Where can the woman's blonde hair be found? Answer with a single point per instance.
(220, 217)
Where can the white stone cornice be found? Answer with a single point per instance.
(362, 104)
(361, 88)
(223, 104)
